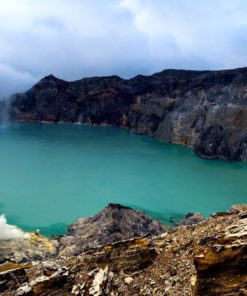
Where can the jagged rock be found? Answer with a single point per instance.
(33, 248)
(49, 265)
(221, 265)
(79, 289)
(191, 218)
(140, 253)
(44, 283)
(207, 258)
(101, 282)
(239, 208)
(206, 110)
(11, 279)
(128, 280)
(114, 223)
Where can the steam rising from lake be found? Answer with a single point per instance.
(4, 111)
(8, 231)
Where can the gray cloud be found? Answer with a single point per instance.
(12, 80)
(78, 38)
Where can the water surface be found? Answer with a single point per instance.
(52, 174)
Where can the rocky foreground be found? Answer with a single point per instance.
(120, 251)
(206, 110)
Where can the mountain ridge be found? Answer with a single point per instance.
(206, 110)
(166, 72)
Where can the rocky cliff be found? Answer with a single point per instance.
(206, 110)
(207, 258)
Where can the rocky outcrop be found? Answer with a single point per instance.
(190, 219)
(208, 258)
(114, 223)
(206, 110)
(221, 261)
(34, 248)
(12, 277)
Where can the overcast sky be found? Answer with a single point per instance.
(77, 38)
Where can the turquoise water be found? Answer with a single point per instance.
(52, 174)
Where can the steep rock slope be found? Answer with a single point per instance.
(208, 258)
(114, 223)
(206, 110)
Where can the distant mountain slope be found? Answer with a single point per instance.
(206, 110)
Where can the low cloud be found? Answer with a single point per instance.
(12, 80)
(8, 231)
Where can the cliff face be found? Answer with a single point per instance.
(208, 258)
(206, 110)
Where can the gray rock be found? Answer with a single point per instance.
(34, 248)
(11, 279)
(112, 224)
(43, 282)
(206, 110)
(101, 282)
(128, 280)
(191, 218)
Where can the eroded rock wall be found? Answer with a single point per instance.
(206, 110)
